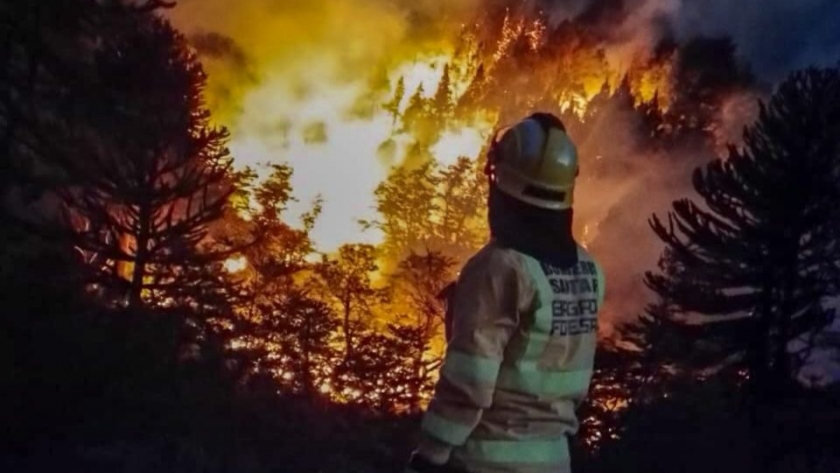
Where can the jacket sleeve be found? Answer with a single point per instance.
(490, 295)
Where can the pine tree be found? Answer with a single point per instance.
(707, 70)
(421, 279)
(138, 169)
(44, 57)
(294, 336)
(753, 260)
(418, 108)
(652, 128)
(474, 95)
(346, 281)
(442, 101)
(598, 102)
(393, 106)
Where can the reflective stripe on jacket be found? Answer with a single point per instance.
(518, 363)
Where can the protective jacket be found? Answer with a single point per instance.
(519, 361)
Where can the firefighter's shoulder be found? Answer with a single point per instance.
(586, 255)
(498, 263)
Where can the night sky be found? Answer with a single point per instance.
(775, 36)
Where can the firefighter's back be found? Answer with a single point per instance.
(546, 369)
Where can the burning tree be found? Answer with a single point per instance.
(745, 271)
(282, 326)
(347, 283)
(421, 279)
(432, 208)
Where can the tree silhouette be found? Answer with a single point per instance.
(706, 71)
(417, 110)
(474, 95)
(280, 327)
(138, 169)
(421, 279)
(295, 334)
(405, 203)
(393, 106)
(45, 58)
(744, 272)
(430, 208)
(346, 281)
(442, 105)
(462, 197)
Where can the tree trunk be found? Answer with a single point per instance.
(782, 366)
(758, 367)
(348, 336)
(306, 348)
(141, 257)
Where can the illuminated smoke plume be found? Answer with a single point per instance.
(344, 90)
(303, 82)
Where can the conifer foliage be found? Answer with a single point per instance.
(757, 253)
(136, 167)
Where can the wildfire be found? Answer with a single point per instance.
(462, 142)
(344, 108)
(345, 96)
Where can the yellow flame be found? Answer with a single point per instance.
(467, 141)
(236, 264)
(324, 71)
(422, 72)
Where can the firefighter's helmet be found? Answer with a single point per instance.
(535, 161)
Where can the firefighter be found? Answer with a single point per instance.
(524, 320)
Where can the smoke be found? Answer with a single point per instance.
(629, 26)
(305, 82)
(307, 42)
(232, 71)
(624, 243)
(774, 36)
(302, 82)
(622, 183)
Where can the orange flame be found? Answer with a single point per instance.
(316, 98)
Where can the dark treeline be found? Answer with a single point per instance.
(151, 320)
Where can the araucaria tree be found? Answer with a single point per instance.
(138, 168)
(746, 268)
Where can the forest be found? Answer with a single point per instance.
(163, 311)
